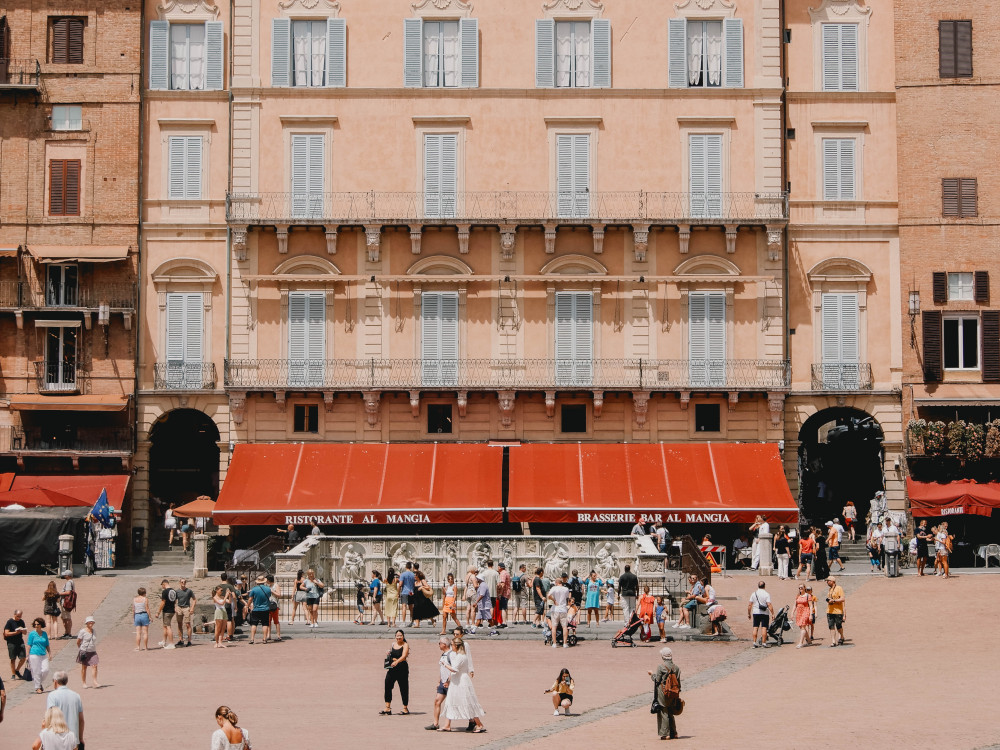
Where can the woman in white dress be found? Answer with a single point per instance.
(229, 736)
(170, 524)
(461, 704)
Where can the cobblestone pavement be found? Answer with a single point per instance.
(314, 689)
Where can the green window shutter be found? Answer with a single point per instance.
(469, 34)
(281, 55)
(677, 75)
(336, 52)
(213, 55)
(732, 35)
(601, 59)
(545, 53)
(412, 53)
(159, 32)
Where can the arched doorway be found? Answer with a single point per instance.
(840, 459)
(183, 457)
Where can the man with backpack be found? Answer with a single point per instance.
(519, 585)
(667, 701)
(68, 597)
(575, 586)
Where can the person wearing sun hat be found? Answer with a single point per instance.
(260, 612)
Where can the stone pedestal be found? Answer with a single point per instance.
(764, 548)
(200, 555)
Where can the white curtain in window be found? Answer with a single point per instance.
(450, 51)
(713, 41)
(582, 53)
(308, 53)
(432, 54)
(695, 37)
(187, 57)
(564, 53)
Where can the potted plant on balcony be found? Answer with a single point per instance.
(993, 439)
(956, 437)
(935, 441)
(917, 429)
(974, 444)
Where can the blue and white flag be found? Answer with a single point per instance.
(102, 510)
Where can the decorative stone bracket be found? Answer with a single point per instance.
(550, 237)
(506, 401)
(640, 407)
(372, 399)
(640, 239)
(731, 231)
(550, 404)
(240, 242)
(282, 231)
(734, 399)
(279, 399)
(683, 237)
(685, 399)
(773, 243)
(415, 403)
(508, 236)
(373, 240)
(776, 403)
(598, 238)
(328, 400)
(237, 405)
(463, 402)
(463, 238)
(598, 404)
(416, 234)
(331, 240)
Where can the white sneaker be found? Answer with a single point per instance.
(567, 710)
(676, 625)
(685, 627)
(168, 647)
(160, 644)
(565, 645)
(553, 644)
(556, 712)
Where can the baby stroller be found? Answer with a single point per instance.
(570, 638)
(777, 628)
(624, 636)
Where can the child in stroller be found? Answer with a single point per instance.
(571, 634)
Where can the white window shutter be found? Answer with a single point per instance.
(698, 173)
(192, 187)
(677, 76)
(469, 34)
(439, 337)
(583, 338)
(412, 53)
(717, 338)
(213, 55)
(847, 169)
(841, 368)
(449, 174)
(317, 164)
(336, 52)
(315, 337)
(831, 169)
(159, 54)
(849, 57)
(601, 57)
(732, 34)
(849, 346)
(300, 175)
(448, 341)
(176, 164)
(581, 175)
(707, 337)
(175, 330)
(713, 175)
(565, 330)
(194, 305)
(281, 56)
(432, 175)
(545, 53)
(564, 174)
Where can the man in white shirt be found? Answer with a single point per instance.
(69, 703)
(760, 611)
(492, 578)
(559, 596)
(890, 541)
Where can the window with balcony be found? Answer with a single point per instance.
(838, 169)
(185, 56)
(185, 324)
(961, 287)
(574, 345)
(961, 342)
(440, 175)
(441, 53)
(573, 53)
(67, 40)
(67, 117)
(62, 286)
(841, 368)
(306, 338)
(705, 53)
(840, 56)
(573, 174)
(705, 174)
(309, 53)
(308, 166)
(184, 166)
(707, 338)
(60, 359)
(439, 338)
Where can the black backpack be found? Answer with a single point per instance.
(576, 589)
(516, 585)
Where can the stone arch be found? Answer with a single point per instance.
(183, 456)
(184, 270)
(707, 264)
(439, 265)
(840, 269)
(306, 264)
(574, 264)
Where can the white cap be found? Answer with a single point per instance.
(67, 572)
(829, 523)
(666, 653)
(89, 619)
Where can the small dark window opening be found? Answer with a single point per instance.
(306, 418)
(707, 418)
(574, 418)
(439, 419)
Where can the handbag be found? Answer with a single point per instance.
(656, 707)
(300, 596)
(388, 661)
(678, 708)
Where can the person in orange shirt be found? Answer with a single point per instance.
(646, 609)
(807, 549)
(835, 602)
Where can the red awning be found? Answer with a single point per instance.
(674, 483)
(964, 496)
(362, 484)
(6, 480)
(85, 488)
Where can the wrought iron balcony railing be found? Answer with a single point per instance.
(502, 206)
(110, 440)
(20, 74)
(21, 294)
(842, 376)
(58, 377)
(183, 376)
(507, 374)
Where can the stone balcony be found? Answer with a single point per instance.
(506, 210)
(20, 75)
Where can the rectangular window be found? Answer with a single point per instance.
(840, 57)
(704, 45)
(838, 169)
(187, 56)
(439, 419)
(840, 342)
(306, 338)
(961, 343)
(573, 418)
(961, 287)
(308, 161)
(67, 117)
(67, 41)
(185, 325)
(64, 187)
(308, 53)
(705, 53)
(442, 54)
(705, 155)
(62, 286)
(305, 418)
(184, 166)
(707, 338)
(707, 418)
(573, 175)
(574, 338)
(959, 197)
(955, 49)
(439, 338)
(573, 54)
(60, 358)
(440, 175)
